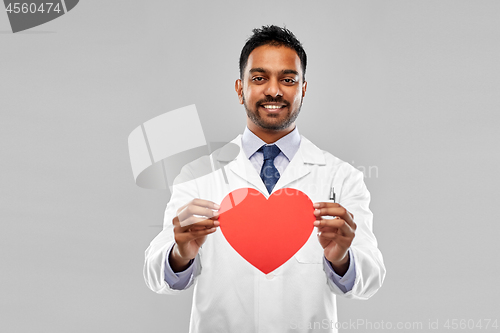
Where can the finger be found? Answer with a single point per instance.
(182, 207)
(343, 227)
(192, 235)
(319, 205)
(329, 235)
(200, 211)
(200, 202)
(330, 229)
(201, 233)
(205, 203)
(198, 221)
(196, 227)
(196, 210)
(332, 223)
(175, 221)
(334, 209)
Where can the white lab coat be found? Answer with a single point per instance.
(231, 295)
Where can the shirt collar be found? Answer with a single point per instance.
(289, 144)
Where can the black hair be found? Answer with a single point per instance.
(275, 36)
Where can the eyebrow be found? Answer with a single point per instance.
(290, 71)
(262, 70)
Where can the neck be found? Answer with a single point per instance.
(269, 136)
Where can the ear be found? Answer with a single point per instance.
(304, 88)
(238, 87)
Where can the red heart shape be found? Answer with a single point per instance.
(266, 232)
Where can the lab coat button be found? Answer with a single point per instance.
(270, 276)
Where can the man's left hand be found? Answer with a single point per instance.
(335, 234)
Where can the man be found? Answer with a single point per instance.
(341, 258)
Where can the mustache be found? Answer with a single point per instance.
(270, 99)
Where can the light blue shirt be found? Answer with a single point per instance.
(251, 143)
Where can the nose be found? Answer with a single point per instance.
(273, 88)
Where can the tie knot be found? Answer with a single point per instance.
(270, 152)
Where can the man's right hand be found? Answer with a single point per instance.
(194, 221)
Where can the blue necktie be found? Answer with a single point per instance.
(269, 173)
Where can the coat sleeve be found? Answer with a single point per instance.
(369, 264)
(155, 255)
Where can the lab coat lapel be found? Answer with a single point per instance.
(301, 164)
(244, 169)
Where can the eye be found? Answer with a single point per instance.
(258, 79)
(289, 81)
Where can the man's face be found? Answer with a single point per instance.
(272, 88)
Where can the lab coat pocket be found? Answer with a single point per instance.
(311, 252)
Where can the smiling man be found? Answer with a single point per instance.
(340, 259)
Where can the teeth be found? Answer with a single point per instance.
(272, 106)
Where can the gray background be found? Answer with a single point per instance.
(410, 88)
